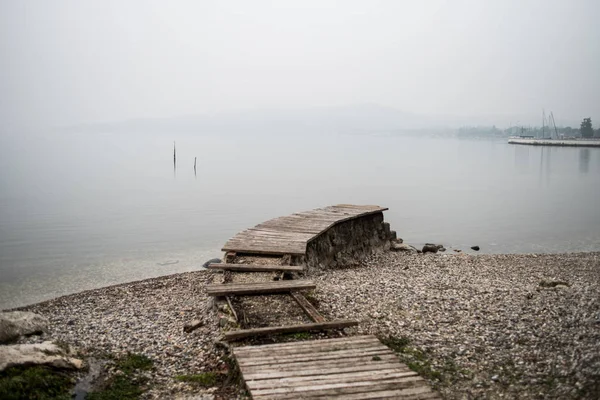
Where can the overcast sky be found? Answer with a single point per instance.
(67, 62)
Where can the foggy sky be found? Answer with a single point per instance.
(68, 62)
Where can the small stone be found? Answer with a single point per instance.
(195, 324)
(476, 248)
(211, 261)
(495, 378)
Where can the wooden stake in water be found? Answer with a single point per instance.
(174, 156)
(194, 165)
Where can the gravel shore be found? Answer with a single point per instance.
(484, 326)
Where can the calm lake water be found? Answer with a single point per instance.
(82, 211)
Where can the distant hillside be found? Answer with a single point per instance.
(348, 119)
(361, 118)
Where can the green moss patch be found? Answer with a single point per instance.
(395, 343)
(127, 384)
(134, 362)
(35, 383)
(119, 388)
(205, 379)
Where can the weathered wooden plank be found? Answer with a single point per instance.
(275, 237)
(365, 207)
(235, 335)
(265, 248)
(319, 369)
(304, 229)
(308, 308)
(274, 251)
(318, 353)
(339, 375)
(308, 343)
(253, 240)
(369, 376)
(388, 394)
(404, 391)
(278, 232)
(307, 350)
(259, 249)
(347, 387)
(330, 363)
(312, 346)
(403, 394)
(257, 267)
(258, 288)
(333, 355)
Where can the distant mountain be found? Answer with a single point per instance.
(347, 119)
(360, 118)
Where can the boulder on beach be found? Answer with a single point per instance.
(430, 248)
(395, 246)
(14, 324)
(476, 248)
(46, 353)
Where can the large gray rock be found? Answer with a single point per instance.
(46, 353)
(395, 246)
(20, 323)
(430, 248)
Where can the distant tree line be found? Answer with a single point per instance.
(586, 130)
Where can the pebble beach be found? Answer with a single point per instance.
(476, 326)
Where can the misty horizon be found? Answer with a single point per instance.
(496, 63)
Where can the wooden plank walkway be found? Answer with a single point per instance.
(291, 234)
(256, 268)
(267, 287)
(358, 367)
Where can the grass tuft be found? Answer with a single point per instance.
(121, 387)
(205, 379)
(127, 385)
(133, 362)
(37, 382)
(398, 344)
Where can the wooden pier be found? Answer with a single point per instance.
(291, 234)
(555, 142)
(358, 367)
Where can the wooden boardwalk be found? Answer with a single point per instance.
(291, 234)
(358, 367)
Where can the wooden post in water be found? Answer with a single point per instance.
(194, 166)
(174, 156)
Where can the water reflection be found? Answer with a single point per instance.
(522, 159)
(584, 160)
